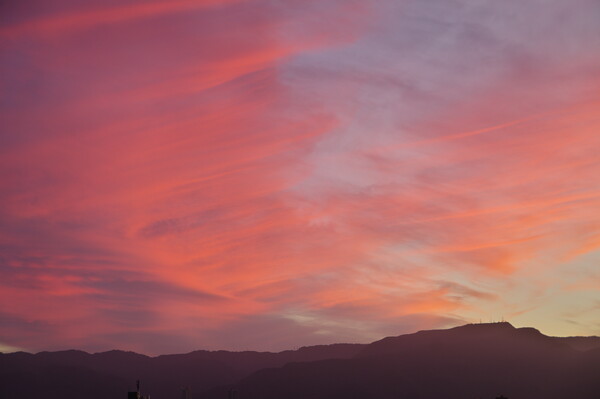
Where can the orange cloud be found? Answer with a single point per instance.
(196, 168)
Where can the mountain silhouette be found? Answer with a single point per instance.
(76, 374)
(471, 361)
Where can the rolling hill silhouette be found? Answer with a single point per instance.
(76, 374)
(472, 361)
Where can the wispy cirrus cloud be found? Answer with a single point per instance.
(326, 170)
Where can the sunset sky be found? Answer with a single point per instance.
(263, 174)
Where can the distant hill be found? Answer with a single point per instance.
(76, 374)
(581, 343)
(477, 337)
(472, 361)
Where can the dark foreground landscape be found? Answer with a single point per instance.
(472, 361)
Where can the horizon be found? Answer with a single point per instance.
(475, 360)
(490, 323)
(263, 174)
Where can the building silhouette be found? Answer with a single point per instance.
(136, 394)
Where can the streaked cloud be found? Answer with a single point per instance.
(173, 173)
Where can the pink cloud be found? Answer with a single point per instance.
(330, 170)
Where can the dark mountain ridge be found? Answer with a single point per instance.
(67, 374)
(471, 361)
(479, 337)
